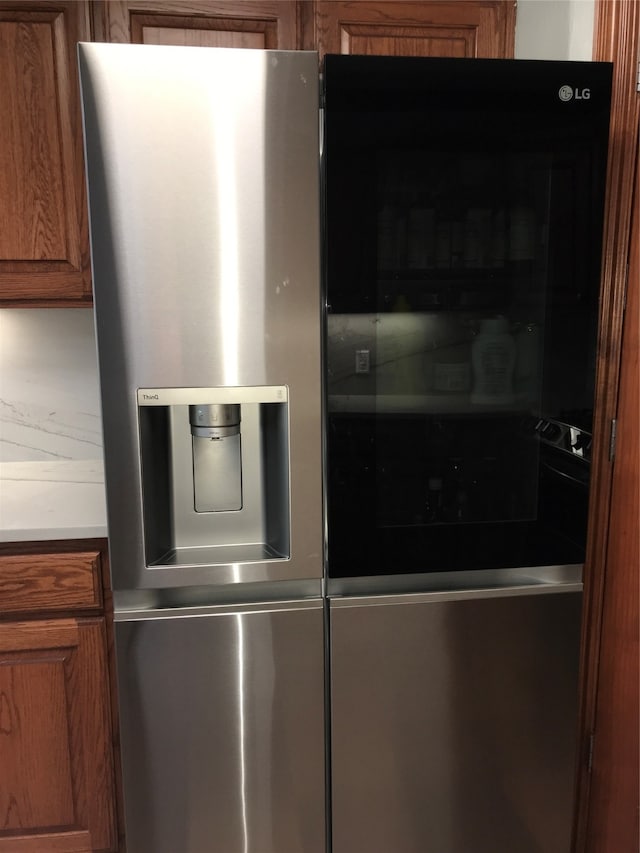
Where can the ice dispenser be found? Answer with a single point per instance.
(215, 474)
(217, 461)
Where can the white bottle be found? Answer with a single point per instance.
(493, 355)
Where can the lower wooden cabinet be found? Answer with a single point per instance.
(57, 780)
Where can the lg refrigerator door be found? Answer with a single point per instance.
(464, 205)
(453, 722)
(222, 715)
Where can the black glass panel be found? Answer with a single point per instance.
(463, 231)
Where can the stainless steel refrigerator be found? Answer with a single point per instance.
(368, 496)
(203, 174)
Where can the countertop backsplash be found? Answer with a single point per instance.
(49, 391)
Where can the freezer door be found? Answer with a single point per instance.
(222, 721)
(454, 723)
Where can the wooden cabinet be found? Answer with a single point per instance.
(44, 242)
(442, 28)
(57, 784)
(250, 24)
(457, 28)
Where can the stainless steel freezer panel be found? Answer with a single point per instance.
(203, 178)
(222, 716)
(454, 723)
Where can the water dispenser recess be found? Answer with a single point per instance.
(215, 475)
(217, 458)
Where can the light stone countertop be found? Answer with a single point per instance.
(52, 500)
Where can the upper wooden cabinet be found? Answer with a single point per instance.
(44, 242)
(457, 28)
(440, 28)
(244, 23)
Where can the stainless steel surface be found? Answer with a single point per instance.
(214, 431)
(217, 457)
(221, 716)
(231, 594)
(217, 472)
(454, 725)
(214, 546)
(488, 583)
(146, 614)
(249, 519)
(214, 415)
(204, 210)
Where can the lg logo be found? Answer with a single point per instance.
(567, 93)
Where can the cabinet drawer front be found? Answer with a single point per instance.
(50, 582)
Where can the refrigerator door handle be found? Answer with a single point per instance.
(138, 614)
(452, 586)
(456, 594)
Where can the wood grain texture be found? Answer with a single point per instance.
(32, 687)
(31, 635)
(32, 227)
(613, 821)
(50, 842)
(55, 737)
(58, 711)
(252, 23)
(616, 38)
(44, 239)
(49, 582)
(485, 28)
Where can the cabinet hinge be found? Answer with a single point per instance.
(638, 78)
(612, 439)
(590, 752)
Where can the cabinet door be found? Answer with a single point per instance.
(57, 783)
(44, 242)
(454, 28)
(267, 25)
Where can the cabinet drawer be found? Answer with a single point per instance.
(50, 582)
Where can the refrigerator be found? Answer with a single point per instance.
(347, 340)
(203, 178)
(463, 218)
